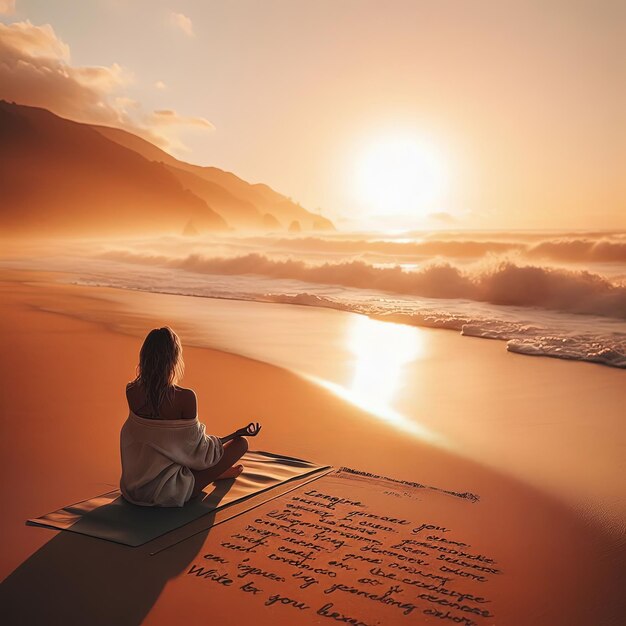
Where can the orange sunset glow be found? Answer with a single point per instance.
(251, 255)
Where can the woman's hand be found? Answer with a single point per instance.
(251, 430)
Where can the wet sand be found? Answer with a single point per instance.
(63, 404)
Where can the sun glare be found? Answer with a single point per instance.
(381, 351)
(398, 175)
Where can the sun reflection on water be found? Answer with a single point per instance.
(382, 350)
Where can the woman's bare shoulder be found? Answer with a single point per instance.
(187, 401)
(184, 392)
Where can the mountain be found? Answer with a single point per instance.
(235, 199)
(239, 213)
(63, 177)
(59, 177)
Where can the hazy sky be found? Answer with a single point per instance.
(522, 103)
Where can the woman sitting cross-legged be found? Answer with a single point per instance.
(167, 456)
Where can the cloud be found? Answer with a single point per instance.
(183, 22)
(168, 123)
(167, 117)
(160, 85)
(34, 41)
(7, 7)
(442, 217)
(36, 69)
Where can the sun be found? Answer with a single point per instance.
(399, 175)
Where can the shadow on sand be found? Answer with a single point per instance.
(76, 579)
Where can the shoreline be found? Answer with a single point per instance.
(391, 318)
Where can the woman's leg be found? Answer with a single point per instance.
(233, 451)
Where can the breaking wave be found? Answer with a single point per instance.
(500, 282)
(580, 250)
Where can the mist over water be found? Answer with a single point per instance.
(582, 248)
(545, 294)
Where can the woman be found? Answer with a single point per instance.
(167, 457)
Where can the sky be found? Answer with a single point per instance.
(503, 113)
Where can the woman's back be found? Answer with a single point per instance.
(183, 403)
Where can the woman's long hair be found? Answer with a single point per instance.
(160, 366)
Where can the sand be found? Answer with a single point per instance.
(63, 404)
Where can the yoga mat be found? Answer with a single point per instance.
(109, 516)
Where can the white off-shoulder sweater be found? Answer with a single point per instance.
(157, 456)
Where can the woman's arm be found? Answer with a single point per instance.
(251, 430)
(228, 437)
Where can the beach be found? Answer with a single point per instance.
(391, 234)
(69, 350)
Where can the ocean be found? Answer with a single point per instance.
(551, 294)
